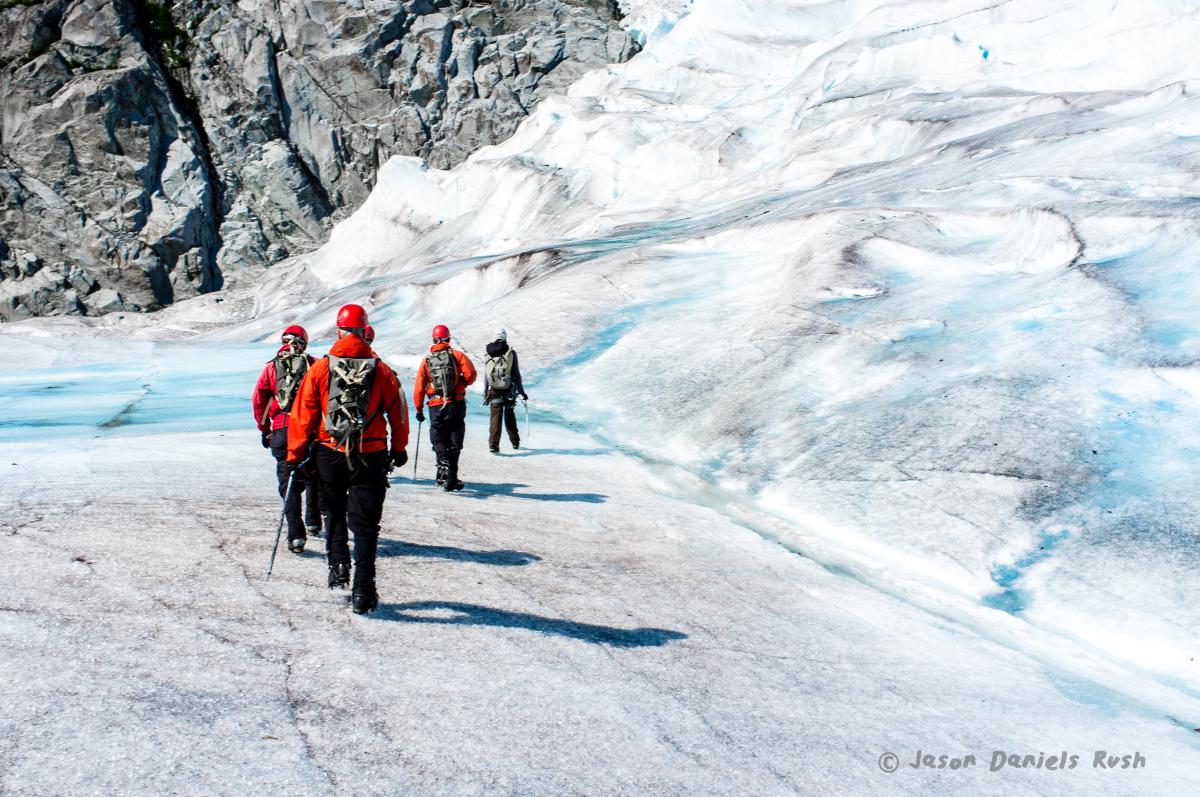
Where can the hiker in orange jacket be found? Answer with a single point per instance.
(339, 414)
(443, 378)
(273, 396)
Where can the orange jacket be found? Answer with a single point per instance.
(312, 398)
(424, 386)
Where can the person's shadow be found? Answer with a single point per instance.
(498, 558)
(508, 489)
(453, 613)
(566, 452)
(399, 478)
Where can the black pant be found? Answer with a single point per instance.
(307, 487)
(354, 498)
(506, 408)
(447, 425)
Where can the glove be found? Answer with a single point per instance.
(399, 458)
(266, 439)
(420, 417)
(524, 396)
(293, 466)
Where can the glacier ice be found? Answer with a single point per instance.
(907, 288)
(916, 277)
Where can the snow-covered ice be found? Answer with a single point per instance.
(866, 334)
(561, 626)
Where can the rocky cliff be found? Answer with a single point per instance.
(151, 151)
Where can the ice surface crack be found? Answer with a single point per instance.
(293, 706)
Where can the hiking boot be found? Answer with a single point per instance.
(452, 481)
(441, 473)
(516, 444)
(314, 531)
(364, 600)
(494, 449)
(296, 545)
(339, 575)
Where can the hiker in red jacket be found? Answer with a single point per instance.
(341, 406)
(443, 378)
(272, 402)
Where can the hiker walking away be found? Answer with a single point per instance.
(272, 401)
(501, 386)
(443, 378)
(341, 405)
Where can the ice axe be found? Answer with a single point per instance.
(283, 515)
(417, 449)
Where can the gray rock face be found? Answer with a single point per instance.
(101, 174)
(152, 151)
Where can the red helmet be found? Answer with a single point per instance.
(298, 331)
(441, 332)
(352, 316)
(369, 334)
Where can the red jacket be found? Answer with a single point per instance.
(424, 386)
(266, 410)
(312, 399)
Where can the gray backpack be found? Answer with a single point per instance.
(499, 371)
(289, 370)
(350, 381)
(443, 372)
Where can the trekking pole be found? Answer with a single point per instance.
(417, 450)
(282, 516)
(525, 404)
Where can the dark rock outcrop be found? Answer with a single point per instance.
(153, 151)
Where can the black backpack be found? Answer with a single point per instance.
(350, 381)
(290, 368)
